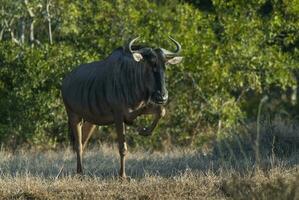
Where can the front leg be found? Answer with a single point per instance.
(133, 115)
(158, 112)
(122, 146)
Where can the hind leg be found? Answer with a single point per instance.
(87, 130)
(75, 124)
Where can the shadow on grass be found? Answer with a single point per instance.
(279, 147)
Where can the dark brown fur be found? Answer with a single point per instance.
(116, 91)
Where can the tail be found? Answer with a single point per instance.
(71, 136)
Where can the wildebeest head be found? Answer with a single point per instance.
(156, 60)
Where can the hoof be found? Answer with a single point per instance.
(125, 179)
(80, 176)
(144, 132)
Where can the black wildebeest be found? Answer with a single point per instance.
(128, 83)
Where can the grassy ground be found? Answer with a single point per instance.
(178, 174)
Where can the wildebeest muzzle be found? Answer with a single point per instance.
(159, 97)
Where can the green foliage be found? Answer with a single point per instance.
(30, 91)
(234, 52)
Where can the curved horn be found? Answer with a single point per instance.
(176, 52)
(178, 46)
(130, 44)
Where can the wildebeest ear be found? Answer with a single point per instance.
(174, 60)
(137, 57)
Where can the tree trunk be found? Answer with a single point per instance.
(49, 20)
(32, 31)
(23, 30)
(32, 21)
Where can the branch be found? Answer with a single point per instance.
(29, 10)
(8, 25)
(1, 32)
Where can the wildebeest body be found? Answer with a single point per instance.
(118, 89)
(97, 90)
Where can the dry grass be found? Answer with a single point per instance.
(228, 171)
(179, 174)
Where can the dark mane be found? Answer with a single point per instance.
(135, 47)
